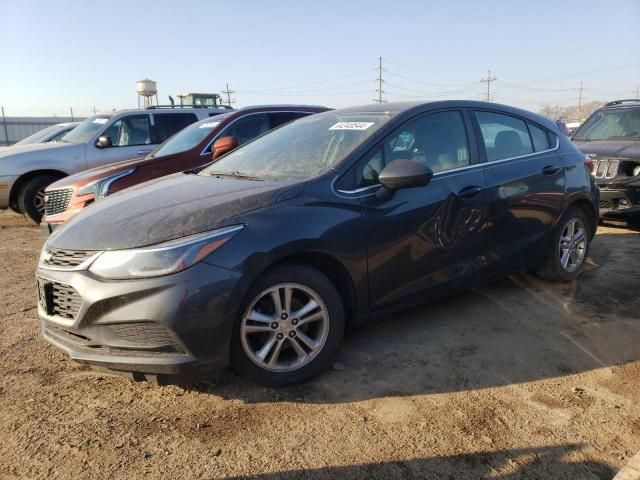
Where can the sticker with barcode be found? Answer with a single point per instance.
(101, 121)
(351, 126)
(209, 125)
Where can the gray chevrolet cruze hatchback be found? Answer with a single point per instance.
(260, 259)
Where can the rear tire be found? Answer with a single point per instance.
(569, 247)
(31, 196)
(290, 325)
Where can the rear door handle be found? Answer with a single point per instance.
(469, 192)
(550, 169)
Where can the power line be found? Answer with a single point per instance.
(293, 87)
(428, 83)
(380, 81)
(488, 81)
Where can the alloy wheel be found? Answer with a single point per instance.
(285, 327)
(38, 201)
(573, 245)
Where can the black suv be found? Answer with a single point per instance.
(611, 138)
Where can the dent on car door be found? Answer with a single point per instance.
(526, 183)
(424, 237)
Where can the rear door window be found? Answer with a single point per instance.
(166, 124)
(247, 128)
(539, 138)
(280, 118)
(503, 136)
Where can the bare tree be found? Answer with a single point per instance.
(570, 113)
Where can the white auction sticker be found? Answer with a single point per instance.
(101, 121)
(209, 125)
(351, 126)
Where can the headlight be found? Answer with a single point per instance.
(163, 258)
(100, 188)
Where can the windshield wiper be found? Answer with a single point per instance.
(235, 174)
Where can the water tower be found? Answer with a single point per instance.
(146, 91)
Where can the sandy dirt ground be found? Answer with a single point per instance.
(517, 379)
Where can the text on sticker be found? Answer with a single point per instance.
(209, 125)
(351, 126)
(101, 121)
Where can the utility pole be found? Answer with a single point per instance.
(488, 81)
(638, 91)
(94, 110)
(580, 102)
(228, 93)
(71, 110)
(380, 81)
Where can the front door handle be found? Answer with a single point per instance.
(550, 169)
(469, 192)
(143, 152)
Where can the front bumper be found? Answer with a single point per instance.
(173, 325)
(620, 204)
(6, 184)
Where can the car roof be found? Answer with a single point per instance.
(419, 106)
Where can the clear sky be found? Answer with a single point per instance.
(57, 54)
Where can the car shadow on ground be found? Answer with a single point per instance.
(513, 330)
(528, 463)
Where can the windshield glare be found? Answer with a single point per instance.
(86, 129)
(614, 124)
(301, 149)
(188, 137)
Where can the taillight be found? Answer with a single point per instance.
(589, 163)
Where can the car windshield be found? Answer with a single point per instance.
(611, 124)
(300, 149)
(86, 129)
(188, 137)
(38, 136)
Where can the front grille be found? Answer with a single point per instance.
(144, 333)
(58, 299)
(57, 201)
(65, 258)
(606, 168)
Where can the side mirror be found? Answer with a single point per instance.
(223, 145)
(402, 173)
(104, 142)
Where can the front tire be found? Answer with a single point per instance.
(569, 247)
(291, 323)
(31, 196)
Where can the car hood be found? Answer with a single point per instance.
(611, 148)
(86, 176)
(167, 208)
(17, 160)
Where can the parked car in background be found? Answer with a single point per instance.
(190, 148)
(611, 138)
(261, 258)
(97, 141)
(48, 134)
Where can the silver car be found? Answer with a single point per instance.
(25, 171)
(51, 133)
